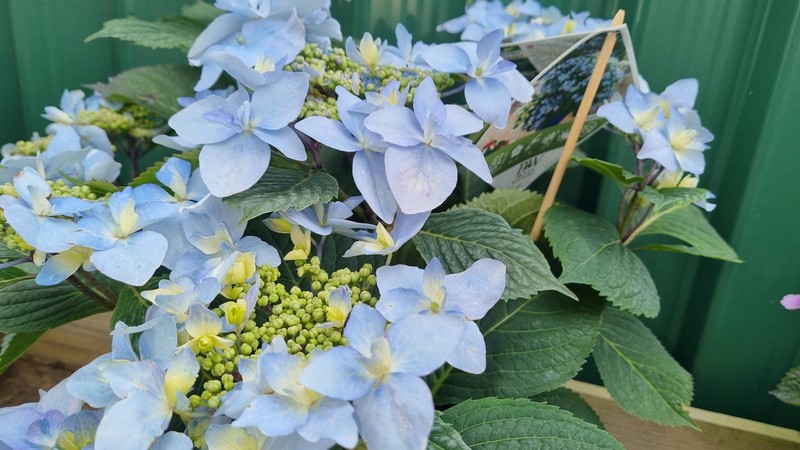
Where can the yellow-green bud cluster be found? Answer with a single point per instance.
(29, 148)
(334, 68)
(109, 120)
(293, 313)
(82, 191)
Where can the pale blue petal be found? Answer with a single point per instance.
(285, 140)
(338, 373)
(657, 147)
(463, 151)
(399, 303)
(691, 161)
(330, 133)
(396, 124)
(399, 276)
(127, 377)
(460, 121)
(397, 415)
(476, 290)
(279, 101)
(446, 58)
(47, 234)
(217, 30)
(133, 423)
(148, 193)
(94, 137)
(282, 416)
(132, 260)
(280, 370)
(421, 178)
(470, 354)
(682, 93)
(363, 327)
(190, 123)
(158, 343)
(518, 86)
(428, 109)
(410, 340)
(174, 173)
(226, 437)
(369, 173)
(234, 165)
(406, 226)
(345, 102)
(617, 114)
(265, 253)
(15, 420)
(332, 419)
(235, 401)
(489, 99)
(488, 48)
(88, 385)
(59, 267)
(172, 440)
(240, 71)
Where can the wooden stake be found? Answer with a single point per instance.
(577, 124)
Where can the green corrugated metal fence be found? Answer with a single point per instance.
(722, 321)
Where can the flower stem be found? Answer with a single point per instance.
(89, 292)
(439, 378)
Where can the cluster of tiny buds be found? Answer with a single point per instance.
(295, 314)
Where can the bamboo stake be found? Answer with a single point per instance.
(577, 125)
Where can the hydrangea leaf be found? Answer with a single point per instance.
(170, 32)
(444, 437)
(532, 346)
(591, 253)
(670, 199)
(7, 253)
(788, 390)
(25, 306)
(639, 373)
(572, 402)
(462, 236)
(154, 87)
(281, 189)
(614, 172)
(201, 12)
(14, 345)
(492, 423)
(518, 207)
(12, 275)
(690, 225)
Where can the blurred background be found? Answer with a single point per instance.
(721, 321)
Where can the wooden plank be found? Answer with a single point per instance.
(719, 431)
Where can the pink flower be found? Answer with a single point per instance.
(791, 301)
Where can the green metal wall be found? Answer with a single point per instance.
(722, 321)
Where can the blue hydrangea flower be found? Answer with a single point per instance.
(384, 242)
(292, 407)
(407, 52)
(481, 17)
(493, 83)
(680, 145)
(423, 144)
(326, 218)
(639, 113)
(468, 296)
(59, 267)
(42, 221)
(72, 103)
(380, 372)
(350, 135)
(370, 52)
(122, 250)
(236, 132)
(175, 297)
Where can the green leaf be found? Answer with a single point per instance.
(170, 32)
(532, 346)
(281, 189)
(670, 199)
(591, 253)
(614, 172)
(492, 423)
(788, 390)
(462, 236)
(14, 345)
(11, 275)
(149, 175)
(690, 225)
(7, 254)
(639, 373)
(99, 187)
(444, 436)
(131, 307)
(572, 402)
(518, 207)
(25, 306)
(201, 12)
(154, 87)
